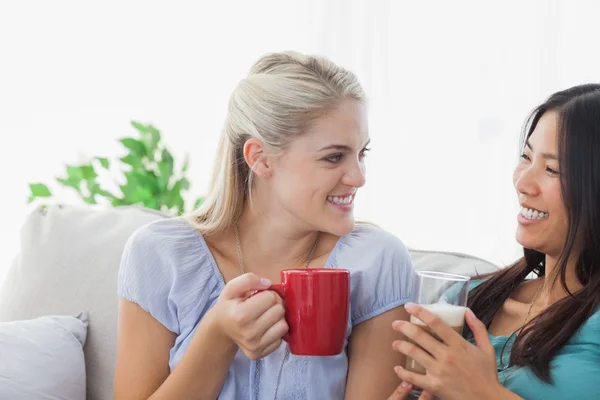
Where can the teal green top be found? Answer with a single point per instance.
(574, 369)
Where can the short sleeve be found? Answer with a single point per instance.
(382, 275)
(146, 275)
(166, 269)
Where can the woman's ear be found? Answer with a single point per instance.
(256, 158)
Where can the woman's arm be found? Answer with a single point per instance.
(254, 325)
(142, 370)
(371, 358)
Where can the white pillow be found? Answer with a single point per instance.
(43, 358)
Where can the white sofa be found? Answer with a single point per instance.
(68, 263)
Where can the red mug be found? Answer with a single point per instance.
(316, 302)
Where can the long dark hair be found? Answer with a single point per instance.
(578, 110)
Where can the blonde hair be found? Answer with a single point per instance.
(281, 98)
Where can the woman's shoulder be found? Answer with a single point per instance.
(169, 240)
(166, 267)
(473, 283)
(590, 330)
(167, 229)
(368, 241)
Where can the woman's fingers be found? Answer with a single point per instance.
(426, 396)
(419, 336)
(401, 392)
(415, 352)
(435, 323)
(271, 348)
(274, 333)
(269, 318)
(480, 333)
(414, 379)
(256, 305)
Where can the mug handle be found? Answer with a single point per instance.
(278, 288)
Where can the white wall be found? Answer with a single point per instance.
(450, 84)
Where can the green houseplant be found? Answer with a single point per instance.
(148, 168)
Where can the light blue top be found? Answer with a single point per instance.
(574, 370)
(169, 271)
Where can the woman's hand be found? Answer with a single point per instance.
(403, 391)
(456, 369)
(255, 323)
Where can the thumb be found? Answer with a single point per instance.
(240, 286)
(401, 392)
(480, 333)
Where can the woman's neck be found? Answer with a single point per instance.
(268, 241)
(552, 289)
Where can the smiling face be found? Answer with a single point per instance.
(315, 180)
(543, 221)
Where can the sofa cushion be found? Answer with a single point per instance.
(456, 263)
(43, 358)
(68, 262)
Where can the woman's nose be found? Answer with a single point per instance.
(356, 176)
(525, 181)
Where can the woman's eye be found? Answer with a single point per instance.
(364, 151)
(552, 171)
(525, 157)
(334, 158)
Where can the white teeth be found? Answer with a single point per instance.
(531, 213)
(340, 200)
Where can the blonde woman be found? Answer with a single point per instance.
(290, 161)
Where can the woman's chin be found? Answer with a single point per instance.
(339, 227)
(528, 242)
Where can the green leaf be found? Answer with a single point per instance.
(74, 174)
(165, 169)
(152, 203)
(70, 183)
(103, 161)
(117, 201)
(135, 146)
(139, 126)
(140, 195)
(184, 184)
(88, 172)
(140, 185)
(95, 189)
(128, 191)
(133, 160)
(105, 193)
(198, 202)
(89, 199)
(174, 198)
(150, 137)
(148, 179)
(186, 163)
(39, 190)
(30, 198)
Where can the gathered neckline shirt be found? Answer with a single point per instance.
(169, 271)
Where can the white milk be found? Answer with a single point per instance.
(450, 314)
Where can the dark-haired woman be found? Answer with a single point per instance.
(532, 338)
